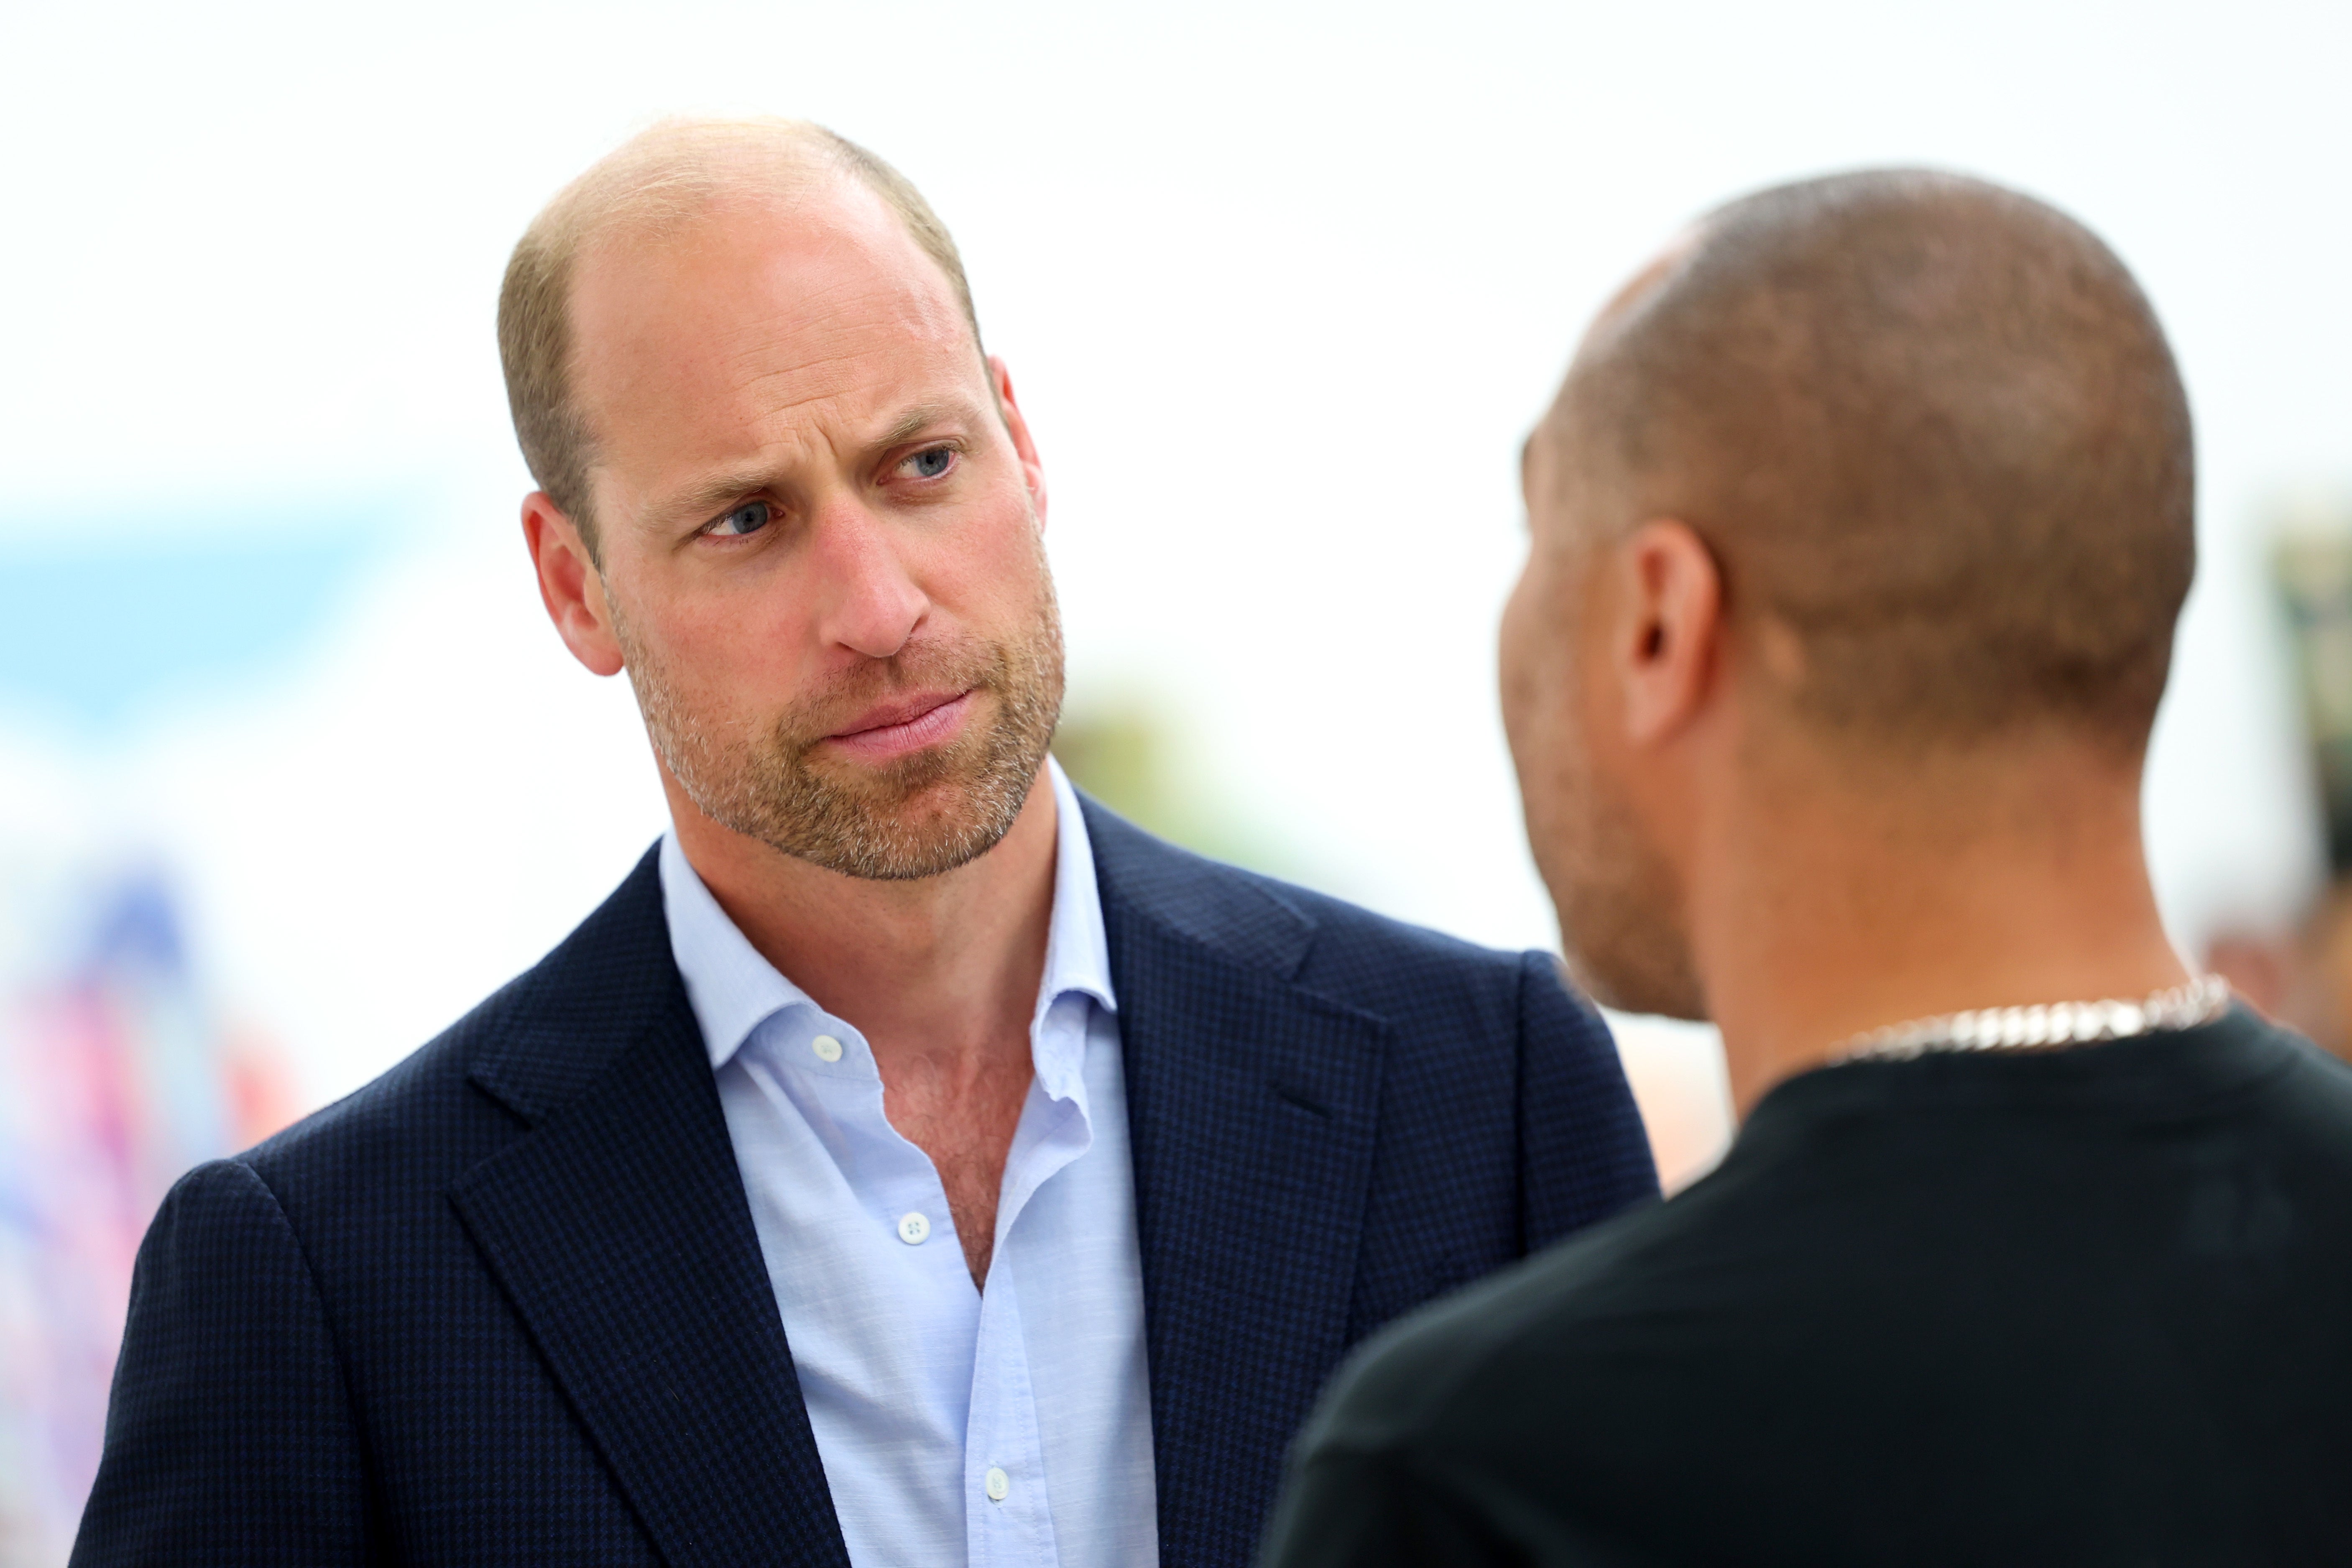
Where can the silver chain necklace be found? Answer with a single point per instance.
(2045, 1026)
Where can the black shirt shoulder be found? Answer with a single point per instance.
(2079, 1306)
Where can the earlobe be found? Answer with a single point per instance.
(569, 585)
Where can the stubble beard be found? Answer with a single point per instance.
(1616, 896)
(918, 816)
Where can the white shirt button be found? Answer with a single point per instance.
(914, 1229)
(998, 1483)
(826, 1048)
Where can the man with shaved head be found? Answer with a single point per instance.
(911, 1165)
(1858, 534)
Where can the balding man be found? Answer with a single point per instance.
(1859, 531)
(911, 1165)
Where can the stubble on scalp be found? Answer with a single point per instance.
(1932, 434)
(1931, 427)
(922, 815)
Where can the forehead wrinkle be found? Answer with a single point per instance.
(775, 391)
(836, 352)
(842, 415)
(835, 356)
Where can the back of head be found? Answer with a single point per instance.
(650, 187)
(1928, 426)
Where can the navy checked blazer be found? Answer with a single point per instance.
(505, 1305)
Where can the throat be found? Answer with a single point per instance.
(965, 1122)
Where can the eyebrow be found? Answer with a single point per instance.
(923, 414)
(709, 494)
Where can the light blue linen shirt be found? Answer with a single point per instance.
(1010, 1427)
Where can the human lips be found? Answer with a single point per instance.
(903, 724)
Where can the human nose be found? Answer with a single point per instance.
(867, 599)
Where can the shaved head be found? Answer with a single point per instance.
(1930, 427)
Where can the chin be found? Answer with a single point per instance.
(1658, 982)
(1624, 954)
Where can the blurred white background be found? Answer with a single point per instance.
(1281, 287)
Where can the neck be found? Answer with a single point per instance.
(1854, 897)
(944, 967)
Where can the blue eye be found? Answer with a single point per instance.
(931, 464)
(748, 518)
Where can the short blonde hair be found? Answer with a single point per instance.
(655, 181)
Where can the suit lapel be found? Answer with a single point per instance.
(1253, 1106)
(619, 1227)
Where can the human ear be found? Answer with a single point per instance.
(1032, 471)
(1669, 634)
(569, 585)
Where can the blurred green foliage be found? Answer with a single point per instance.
(1128, 754)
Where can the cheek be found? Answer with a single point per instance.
(1535, 679)
(1533, 710)
(736, 638)
(1513, 653)
(731, 661)
(989, 567)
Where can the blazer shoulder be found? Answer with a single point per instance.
(1359, 950)
(415, 1111)
(535, 1042)
(1367, 960)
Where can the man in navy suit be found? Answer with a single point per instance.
(910, 1162)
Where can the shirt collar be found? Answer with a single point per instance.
(733, 990)
(1078, 949)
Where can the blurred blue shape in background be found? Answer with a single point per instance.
(93, 635)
